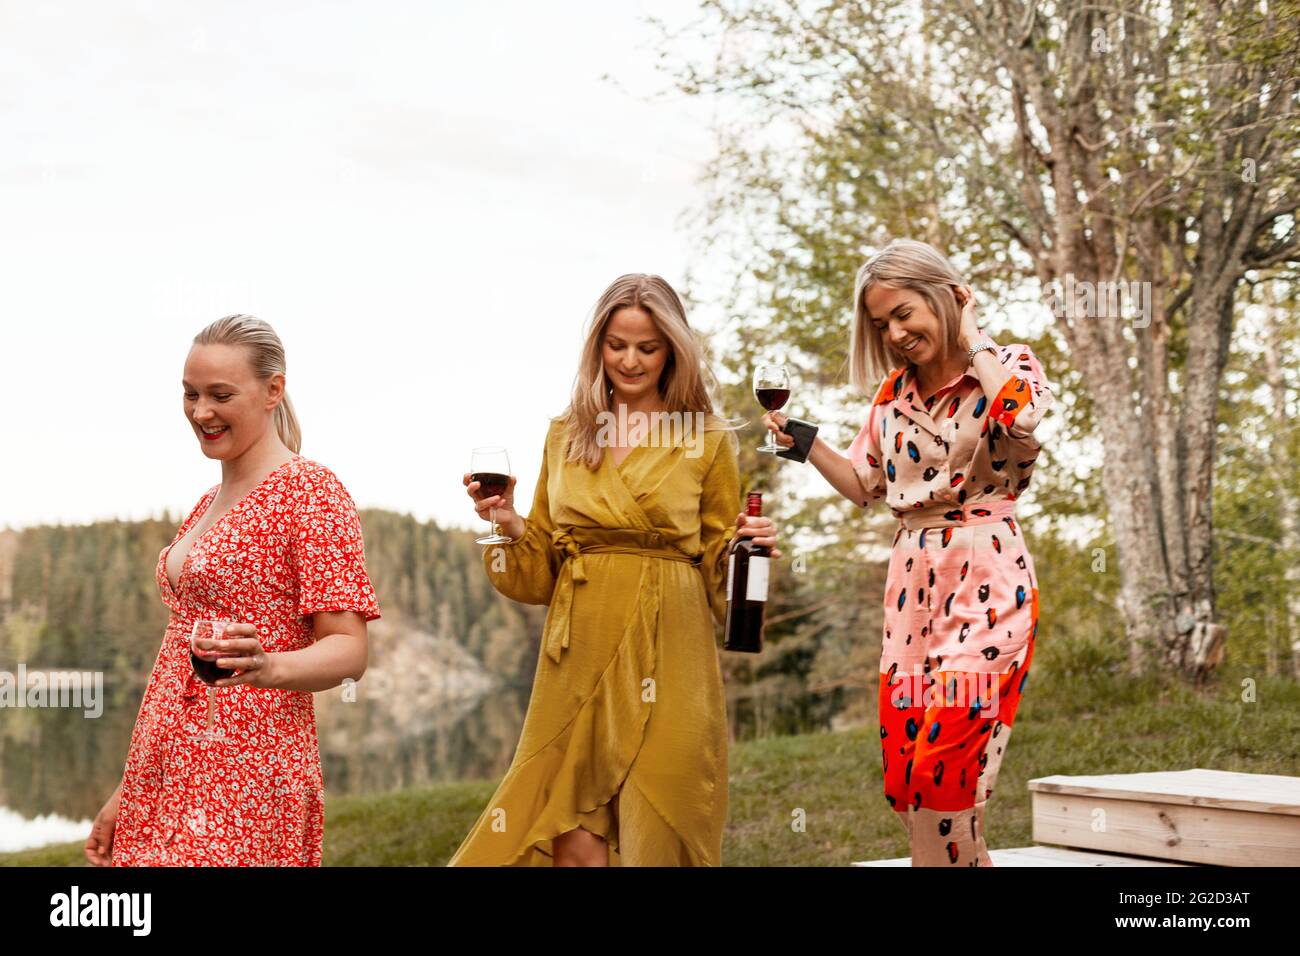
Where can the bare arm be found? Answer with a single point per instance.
(339, 653)
(834, 467)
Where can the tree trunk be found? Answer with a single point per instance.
(1280, 469)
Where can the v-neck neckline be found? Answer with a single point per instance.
(179, 586)
(618, 465)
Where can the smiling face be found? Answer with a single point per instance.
(906, 323)
(228, 407)
(634, 353)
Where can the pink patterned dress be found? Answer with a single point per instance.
(291, 547)
(961, 595)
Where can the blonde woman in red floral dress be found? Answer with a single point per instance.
(276, 549)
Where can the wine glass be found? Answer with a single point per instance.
(490, 467)
(206, 669)
(772, 389)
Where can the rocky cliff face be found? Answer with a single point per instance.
(414, 681)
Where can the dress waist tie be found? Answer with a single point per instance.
(574, 543)
(953, 516)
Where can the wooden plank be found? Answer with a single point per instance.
(1039, 855)
(1228, 790)
(1043, 856)
(1189, 834)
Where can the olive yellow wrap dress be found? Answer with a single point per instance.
(626, 733)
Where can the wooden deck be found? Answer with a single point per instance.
(1044, 856)
(1170, 818)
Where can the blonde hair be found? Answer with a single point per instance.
(902, 264)
(266, 355)
(683, 382)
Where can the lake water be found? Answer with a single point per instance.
(19, 833)
(57, 767)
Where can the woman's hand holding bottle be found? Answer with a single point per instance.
(760, 528)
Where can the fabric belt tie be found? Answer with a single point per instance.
(940, 516)
(573, 544)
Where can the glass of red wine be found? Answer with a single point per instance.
(205, 667)
(490, 467)
(772, 389)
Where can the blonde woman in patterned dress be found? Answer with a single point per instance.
(949, 444)
(276, 549)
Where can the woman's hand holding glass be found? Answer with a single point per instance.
(502, 505)
(240, 651)
(774, 421)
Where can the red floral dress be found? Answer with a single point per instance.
(291, 547)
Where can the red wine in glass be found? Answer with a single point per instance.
(490, 483)
(772, 389)
(490, 466)
(206, 670)
(772, 398)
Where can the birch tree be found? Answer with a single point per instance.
(1133, 161)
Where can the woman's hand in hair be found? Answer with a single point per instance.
(774, 421)
(504, 505)
(969, 332)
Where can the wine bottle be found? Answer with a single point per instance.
(747, 572)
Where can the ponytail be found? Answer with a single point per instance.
(286, 424)
(266, 353)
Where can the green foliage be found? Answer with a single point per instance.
(85, 596)
(848, 123)
(1259, 442)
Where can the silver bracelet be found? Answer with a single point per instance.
(980, 347)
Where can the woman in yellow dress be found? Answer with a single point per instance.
(623, 754)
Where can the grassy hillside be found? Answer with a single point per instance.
(1072, 722)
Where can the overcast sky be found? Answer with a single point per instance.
(424, 199)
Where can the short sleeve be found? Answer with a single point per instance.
(328, 552)
(719, 505)
(1026, 396)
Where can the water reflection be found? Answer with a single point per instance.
(463, 739)
(18, 833)
(404, 729)
(55, 761)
